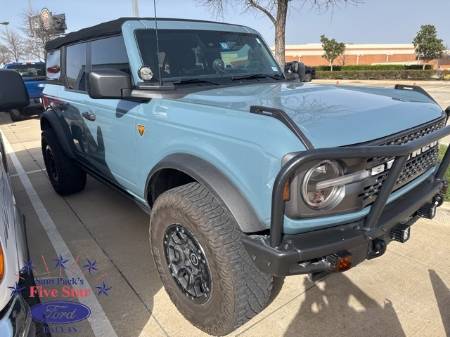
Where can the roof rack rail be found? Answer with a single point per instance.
(414, 88)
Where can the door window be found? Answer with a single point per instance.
(76, 67)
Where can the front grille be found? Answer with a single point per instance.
(414, 167)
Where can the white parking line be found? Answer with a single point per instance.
(100, 324)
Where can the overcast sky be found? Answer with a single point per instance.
(373, 21)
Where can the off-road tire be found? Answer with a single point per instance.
(239, 290)
(16, 115)
(65, 175)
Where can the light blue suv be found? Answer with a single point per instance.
(247, 177)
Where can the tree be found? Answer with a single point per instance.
(4, 55)
(276, 11)
(427, 45)
(332, 49)
(14, 43)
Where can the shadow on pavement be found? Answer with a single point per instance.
(337, 307)
(442, 294)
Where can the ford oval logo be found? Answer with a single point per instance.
(60, 312)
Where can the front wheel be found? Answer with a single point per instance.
(202, 262)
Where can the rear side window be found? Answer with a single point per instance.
(109, 53)
(76, 67)
(53, 65)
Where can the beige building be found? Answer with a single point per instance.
(355, 54)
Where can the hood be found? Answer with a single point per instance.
(330, 115)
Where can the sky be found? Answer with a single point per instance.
(371, 21)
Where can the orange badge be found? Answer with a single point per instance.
(141, 129)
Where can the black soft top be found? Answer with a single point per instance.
(104, 29)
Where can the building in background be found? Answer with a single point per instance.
(361, 54)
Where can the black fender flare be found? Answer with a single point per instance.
(208, 175)
(51, 118)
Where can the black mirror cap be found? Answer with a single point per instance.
(447, 111)
(297, 68)
(109, 83)
(13, 93)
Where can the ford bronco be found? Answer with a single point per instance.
(247, 177)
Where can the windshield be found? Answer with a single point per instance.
(206, 55)
(32, 70)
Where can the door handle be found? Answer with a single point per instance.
(90, 116)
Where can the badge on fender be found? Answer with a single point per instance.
(141, 129)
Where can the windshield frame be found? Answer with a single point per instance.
(222, 79)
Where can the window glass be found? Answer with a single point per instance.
(76, 67)
(109, 53)
(54, 64)
(205, 54)
(29, 70)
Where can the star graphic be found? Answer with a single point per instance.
(27, 268)
(16, 289)
(91, 266)
(103, 289)
(60, 262)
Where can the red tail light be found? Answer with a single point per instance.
(45, 101)
(53, 70)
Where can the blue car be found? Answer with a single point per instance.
(33, 74)
(247, 177)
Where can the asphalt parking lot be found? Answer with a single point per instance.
(406, 292)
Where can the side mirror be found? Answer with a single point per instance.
(295, 71)
(13, 94)
(109, 83)
(447, 111)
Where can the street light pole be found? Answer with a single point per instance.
(135, 5)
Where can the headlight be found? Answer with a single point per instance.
(320, 198)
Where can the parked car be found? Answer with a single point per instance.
(33, 74)
(247, 177)
(15, 314)
(300, 71)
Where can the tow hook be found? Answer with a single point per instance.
(429, 210)
(378, 249)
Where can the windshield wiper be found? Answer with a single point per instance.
(194, 81)
(257, 76)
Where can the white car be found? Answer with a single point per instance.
(15, 314)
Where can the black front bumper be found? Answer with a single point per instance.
(318, 251)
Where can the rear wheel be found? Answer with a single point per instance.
(202, 262)
(65, 175)
(16, 115)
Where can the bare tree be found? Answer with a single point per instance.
(14, 43)
(4, 55)
(276, 11)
